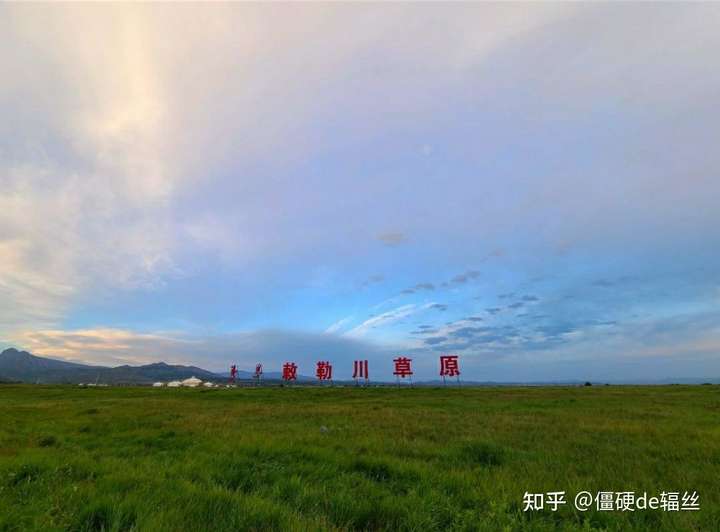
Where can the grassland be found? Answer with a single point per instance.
(345, 458)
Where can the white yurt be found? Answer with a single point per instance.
(158, 384)
(192, 382)
(208, 384)
(174, 384)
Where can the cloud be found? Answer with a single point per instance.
(338, 325)
(160, 161)
(424, 331)
(469, 332)
(372, 280)
(465, 277)
(391, 317)
(689, 341)
(392, 239)
(84, 203)
(418, 287)
(386, 318)
(213, 352)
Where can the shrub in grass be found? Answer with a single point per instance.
(373, 469)
(483, 453)
(247, 475)
(47, 441)
(25, 473)
(220, 510)
(366, 513)
(105, 516)
(77, 471)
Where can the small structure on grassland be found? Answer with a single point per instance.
(192, 382)
(158, 384)
(174, 384)
(208, 384)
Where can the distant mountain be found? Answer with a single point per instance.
(159, 371)
(22, 366)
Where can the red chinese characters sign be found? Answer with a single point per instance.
(324, 371)
(449, 367)
(360, 370)
(402, 367)
(289, 371)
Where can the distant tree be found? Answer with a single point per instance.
(588, 383)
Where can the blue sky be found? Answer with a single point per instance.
(533, 187)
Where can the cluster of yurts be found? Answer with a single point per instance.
(192, 382)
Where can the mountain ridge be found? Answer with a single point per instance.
(19, 365)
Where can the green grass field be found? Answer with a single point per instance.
(344, 458)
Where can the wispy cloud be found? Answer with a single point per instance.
(461, 278)
(465, 277)
(418, 288)
(392, 239)
(386, 318)
(373, 279)
(338, 325)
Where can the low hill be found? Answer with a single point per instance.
(16, 365)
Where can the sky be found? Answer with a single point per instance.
(533, 187)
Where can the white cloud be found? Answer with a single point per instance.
(338, 325)
(386, 318)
